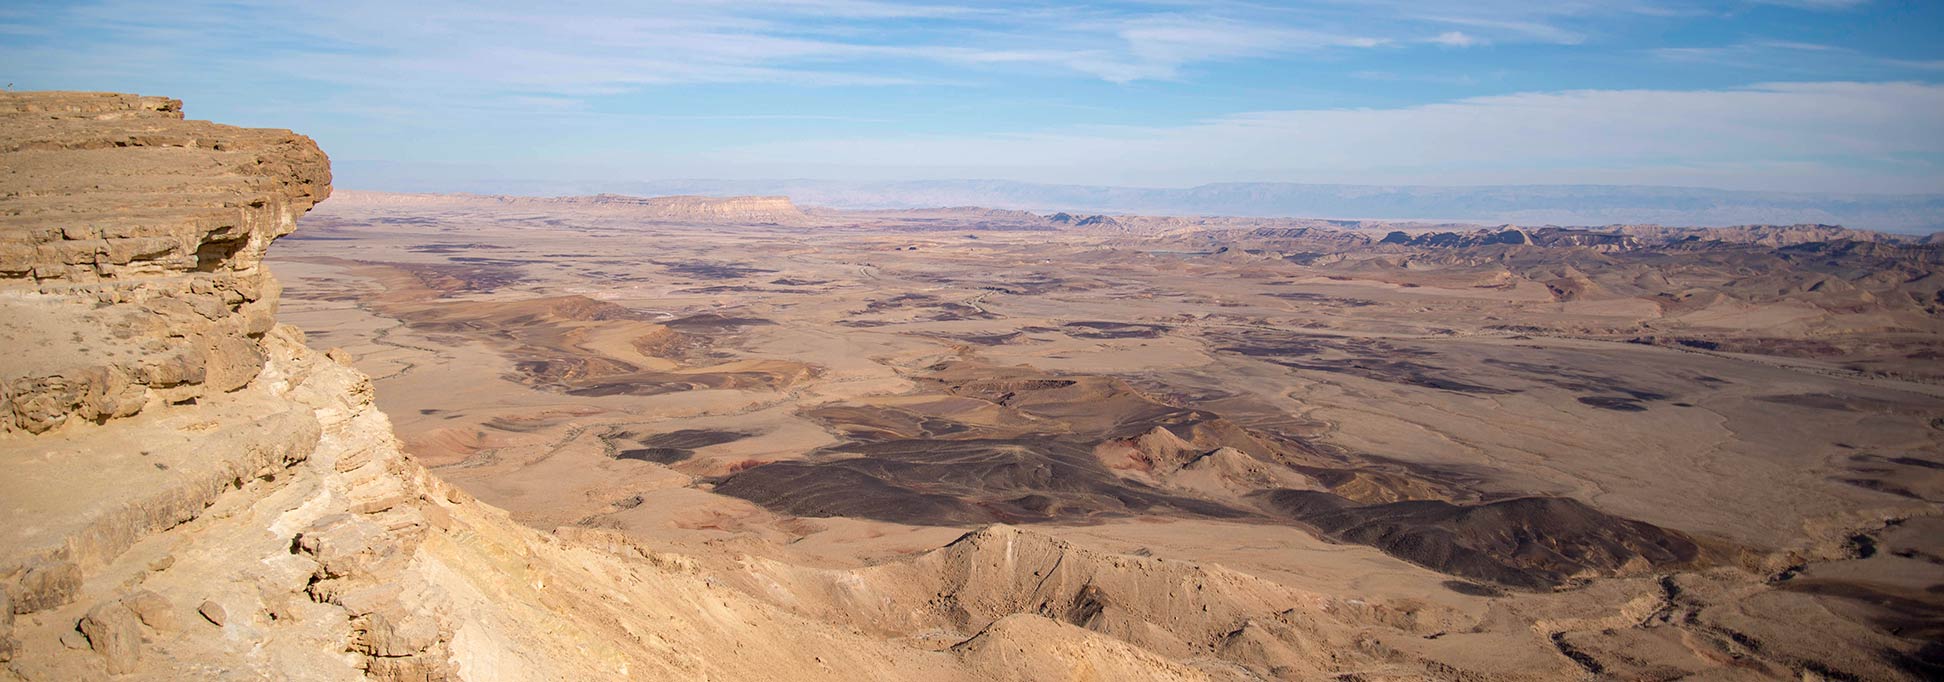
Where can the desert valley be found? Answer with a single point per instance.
(450, 436)
(1487, 451)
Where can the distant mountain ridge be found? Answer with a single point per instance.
(743, 209)
(1486, 204)
(781, 210)
(1513, 204)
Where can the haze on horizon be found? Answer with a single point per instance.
(1767, 95)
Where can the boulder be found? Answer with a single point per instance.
(153, 609)
(115, 632)
(393, 633)
(213, 612)
(45, 584)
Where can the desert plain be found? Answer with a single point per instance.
(1281, 448)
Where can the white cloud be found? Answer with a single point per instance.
(1528, 30)
(1456, 39)
(1795, 45)
(586, 48)
(1788, 56)
(611, 46)
(1840, 129)
(594, 71)
(1157, 47)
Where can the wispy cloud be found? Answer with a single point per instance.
(605, 47)
(1823, 132)
(1415, 77)
(893, 83)
(610, 46)
(1560, 22)
(1521, 29)
(1158, 47)
(1741, 52)
(1789, 56)
(1817, 4)
(1456, 39)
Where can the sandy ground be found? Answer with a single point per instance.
(854, 394)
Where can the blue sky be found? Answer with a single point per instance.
(1793, 95)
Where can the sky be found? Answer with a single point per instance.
(1777, 95)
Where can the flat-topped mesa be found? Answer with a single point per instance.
(681, 208)
(712, 209)
(131, 248)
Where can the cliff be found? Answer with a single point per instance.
(193, 493)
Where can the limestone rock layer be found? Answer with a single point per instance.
(131, 249)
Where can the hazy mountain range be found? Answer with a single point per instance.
(1515, 204)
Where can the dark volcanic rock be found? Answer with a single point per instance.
(1527, 542)
(668, 448)
(957, 482)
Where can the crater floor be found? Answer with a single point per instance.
(1519, 459)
